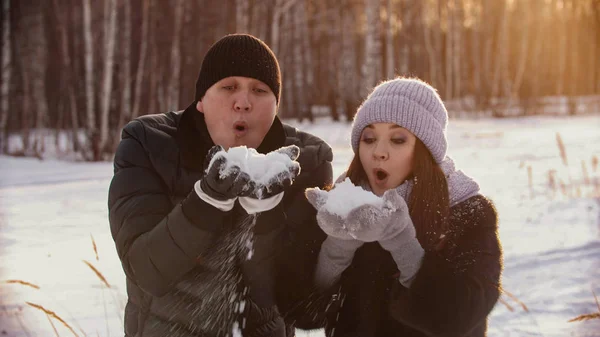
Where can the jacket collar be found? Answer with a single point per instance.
(194, 140)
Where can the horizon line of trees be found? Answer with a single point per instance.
(91, 66)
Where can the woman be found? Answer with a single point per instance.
(427, 262)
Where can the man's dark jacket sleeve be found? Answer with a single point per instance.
(456, 288)
(156, 242)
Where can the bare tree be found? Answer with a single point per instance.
(526, 19)
(407, 21)
(242, 16)
(125, 79)
(107, 79)
(89, 69)
(371, 70)
(389, 41)
(34, 70)
(560, 11)
(68, 78)
(281, 7)
(433, 39)
(175, 63)
(139, 74)
(457, 46)
(6, 75)
(502, 53)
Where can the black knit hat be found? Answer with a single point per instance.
(239, 55)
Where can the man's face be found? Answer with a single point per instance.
(238, 111)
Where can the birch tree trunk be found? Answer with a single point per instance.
(405, 46)
(349, 77)
(432, 40)
(457, 46)
(242, 16)
(125, 109)
(37, 64)
(371, 67)
(389, 41)
(68, 81)
(476, 55)
(139, 75)
(281, 7)
(296, 66)
(449, 49)
(6, 75)
(524, 47)
(560, 10)
(502, 52)
(175, 63)
(305, 86)
(89, 69)
(107, 79)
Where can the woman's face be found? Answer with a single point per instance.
(386, 152)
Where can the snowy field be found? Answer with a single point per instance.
(51, 212)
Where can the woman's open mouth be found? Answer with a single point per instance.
(240, 128)
(380, 176)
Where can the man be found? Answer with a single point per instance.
(203, 252)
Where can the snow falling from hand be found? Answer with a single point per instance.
(211, 295)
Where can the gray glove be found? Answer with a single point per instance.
(389, 224)
(371, 223)
(337, 251)
(393, 228)
(332, 224)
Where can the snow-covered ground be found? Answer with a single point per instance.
(50, 211)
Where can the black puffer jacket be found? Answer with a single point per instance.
(184, 259)
(451, 295)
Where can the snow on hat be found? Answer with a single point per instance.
(411, 104)
(239, 55)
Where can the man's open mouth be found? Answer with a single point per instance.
(240, 127)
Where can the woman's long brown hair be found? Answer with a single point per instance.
(428, 205)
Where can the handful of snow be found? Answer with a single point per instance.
(345, 197)
(260, 167)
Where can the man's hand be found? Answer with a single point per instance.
(280, 180)
(222, 181)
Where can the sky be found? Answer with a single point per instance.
(54, 226)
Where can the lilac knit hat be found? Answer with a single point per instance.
(410, 103)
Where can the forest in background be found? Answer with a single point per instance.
(85, 68)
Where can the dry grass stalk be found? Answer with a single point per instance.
(563, 188)
(95, 248)
(586, 176)
(594, 163)
(25, 283)
(587, 317)
(552, 180)
(561, 148)
(52, 324)
(508, 306)
(530, 179)
(98, 273)
(514, 298)
(52, 314)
